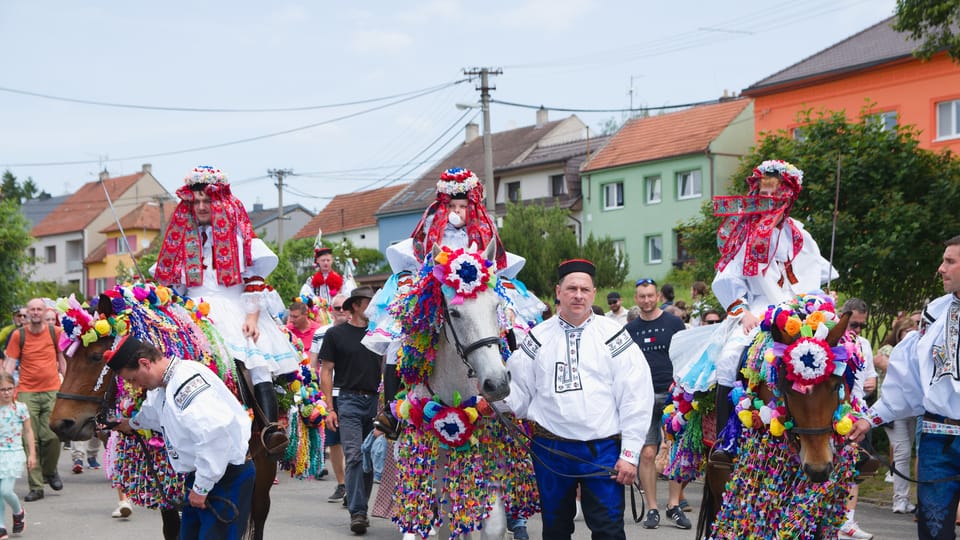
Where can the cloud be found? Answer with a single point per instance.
(380, 41)
(288, 14)
(433, 12)
(557, 15)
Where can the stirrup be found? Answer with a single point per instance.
(720, 460)
(274, 440)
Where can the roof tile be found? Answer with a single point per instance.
(81, 208)
(349, 211)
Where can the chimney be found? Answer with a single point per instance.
(258, 207)
(542, 118)
(104, 175)
(472, 132)
(146, 168)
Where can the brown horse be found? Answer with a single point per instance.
(811, 437)
(87, 398)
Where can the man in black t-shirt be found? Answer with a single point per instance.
(652, 331)
(355, 370)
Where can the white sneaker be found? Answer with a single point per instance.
(852, 531)
(904, 507)
(124, 509)
(579, 516)
(888, 478)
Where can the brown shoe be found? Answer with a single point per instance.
(359, 523)
(721, 460)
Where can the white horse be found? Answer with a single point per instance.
(468, 365)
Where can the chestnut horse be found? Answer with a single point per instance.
(805, 451)
(88, 394)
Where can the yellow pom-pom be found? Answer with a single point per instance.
(746, 418)
(441, 258)
(295, 386)
(776, 428)
(163, 294)
(844, 425)
(695, 404)
(472, 414)
(768, 356)
(189, 305)
(204, 308)
(668, 409)
(102, 327)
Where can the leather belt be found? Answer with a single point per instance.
(360, 392)
(539, 431)
(940, 419)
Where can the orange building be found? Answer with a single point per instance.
(873, 68)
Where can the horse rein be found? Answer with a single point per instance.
(867, 446)
(464, 352)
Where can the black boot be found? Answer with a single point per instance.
(385, 421)
(274, 439)
(723, 405)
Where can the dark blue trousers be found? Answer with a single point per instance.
(601, 498)
(938, 456)
(235, 486)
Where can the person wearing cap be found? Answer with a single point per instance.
(617, 311)
(353, 368)
(211, 253)
(205, 429)
(585, 387)
(324, 283)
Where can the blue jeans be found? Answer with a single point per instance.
(356, 412)
(938, 456)
(236, 486)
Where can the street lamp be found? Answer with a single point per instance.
(484, 106)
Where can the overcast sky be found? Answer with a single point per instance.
(240, 56)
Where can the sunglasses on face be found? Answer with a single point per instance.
(645, 281)
(711, 321)
(856, 325)
(337, 308)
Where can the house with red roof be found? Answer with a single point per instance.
(873, 73)
(71, 232)
(115, 259)
(350, 216)
(656, 172)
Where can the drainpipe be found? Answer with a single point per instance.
(579, 228)
(710, 157)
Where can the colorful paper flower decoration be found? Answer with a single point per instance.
(808, 361)
(463, 274)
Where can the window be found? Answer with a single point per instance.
(557, 185)
(654, 249)
(652, 189)
(50, 254)
(513, 191)
(620, 250)
(948, 119)
(886, 120)
(32, 253)
(799, 134)
(689, 185)
(613, 196)
(121, 245)
(100, 284)
(683, 253)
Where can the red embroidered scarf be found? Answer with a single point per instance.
(480, 228)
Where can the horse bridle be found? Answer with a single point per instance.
(103, 404)
(464, 352)
(796, 430)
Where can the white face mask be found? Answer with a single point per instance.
(454, 219)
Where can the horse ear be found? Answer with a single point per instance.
(105, 305)
(833, 337)
(490, 252)
(472, 248)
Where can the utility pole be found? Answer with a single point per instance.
(279, 174)
(159, 200)
(488, 183)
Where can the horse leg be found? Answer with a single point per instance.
(495, 526)
(266, 472)
(171, 523)
(715, 479)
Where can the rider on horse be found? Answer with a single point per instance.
(211, 249)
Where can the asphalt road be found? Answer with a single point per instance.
(300, 510)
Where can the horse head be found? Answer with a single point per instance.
(468, 360)
(87, 382)
(812, 408)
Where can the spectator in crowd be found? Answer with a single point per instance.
(331, 436)
(712, 316)
(633, 313)
(585, 388)
(652, 332)
(698, 299)
(300, 324)
(19, 316)
(358, 373)
(666, 295)
(617, 311)
(16, 430)
(41, 363)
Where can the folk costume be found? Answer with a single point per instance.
(766, 258)
(225, 264)
(924, 370)
(320, 285)
(587, 391)
(206, 432)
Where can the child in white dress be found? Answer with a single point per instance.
(14, 429)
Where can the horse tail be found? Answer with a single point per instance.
(708, 512)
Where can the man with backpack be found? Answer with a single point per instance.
(34, 349)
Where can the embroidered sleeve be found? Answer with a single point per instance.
(619, 343)
(737, 307)
(255, 294)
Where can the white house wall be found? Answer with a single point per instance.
(58, 270)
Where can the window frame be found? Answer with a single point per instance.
(513, 192)
(698, 194)
(953, 115)
(650, 241)
(619, 204)
(50, 254)
(657, 180)
(562, 178)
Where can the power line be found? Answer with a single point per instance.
(230, 143)
(583, 110)
(221, 110)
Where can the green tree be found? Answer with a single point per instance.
(896, 207)
(934, 22)
(542, 236)
(612, 265)
(14, 241)
(12, 189)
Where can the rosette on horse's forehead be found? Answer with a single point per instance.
(462, 274)
(805, 335)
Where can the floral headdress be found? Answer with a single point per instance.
(480, 227)
(750, 220)
(180, 254)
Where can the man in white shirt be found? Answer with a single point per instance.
(617, 311)
(206, 432)
(586, 389)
